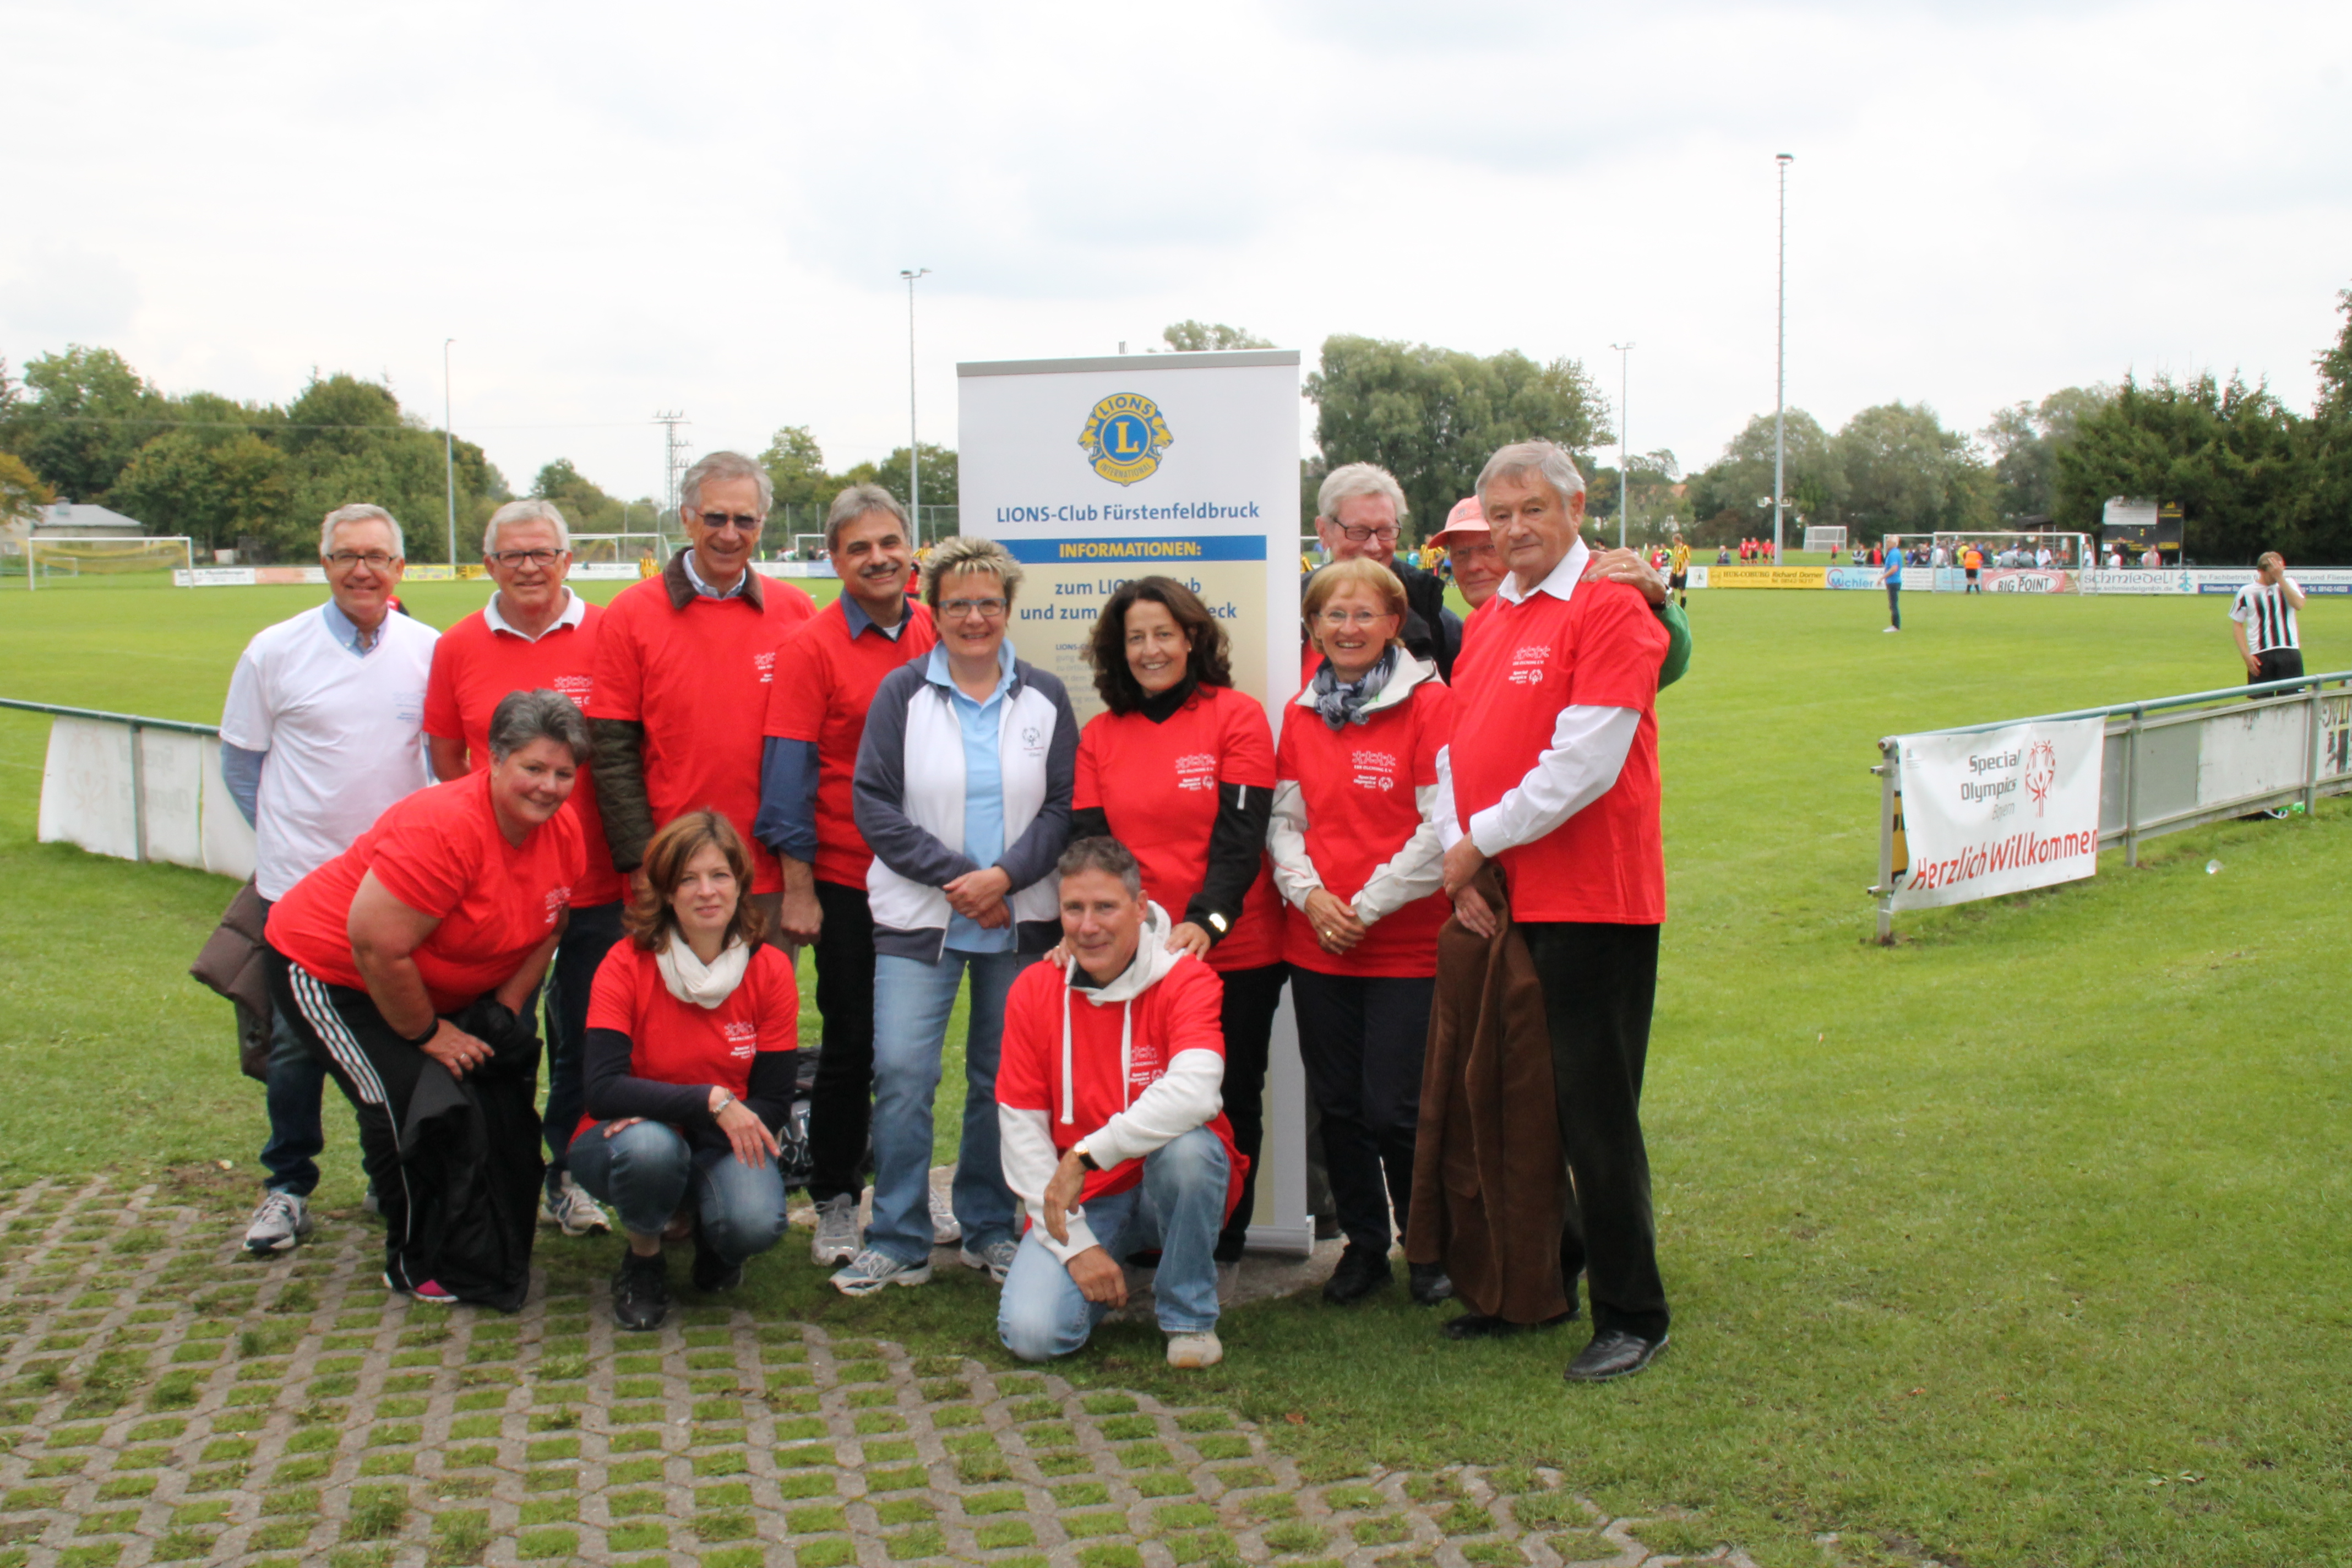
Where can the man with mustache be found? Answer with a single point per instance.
(826, 676)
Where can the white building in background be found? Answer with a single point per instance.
(78, 519)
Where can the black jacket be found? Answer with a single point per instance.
(470, 1148)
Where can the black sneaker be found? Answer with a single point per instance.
(1613, 1353)
(1430, 1284)
(712, 1272)
(641, 1293)
(1361, 1271)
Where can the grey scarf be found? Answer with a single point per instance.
(1342, 705)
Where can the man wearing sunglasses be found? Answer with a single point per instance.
(683, 665)
(536, 634)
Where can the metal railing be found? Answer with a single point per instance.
(2152, 775)
(136, 722)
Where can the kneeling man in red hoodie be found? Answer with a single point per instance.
(1108, 1095)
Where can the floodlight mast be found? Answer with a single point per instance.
(448, 457)
(914, 441)
(1780, 373)
(1624, 470)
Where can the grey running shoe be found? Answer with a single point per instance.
(279, 1225)
(837, 1238)
(568, 1205)
(996, 1256)
(870, 1270)
(945, 1230)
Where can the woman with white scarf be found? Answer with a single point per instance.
(691, 1053)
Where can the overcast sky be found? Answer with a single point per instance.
(617, 209)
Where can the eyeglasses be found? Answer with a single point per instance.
(961, 609)
(742, 521)
(1359, 533)
(1340, 620)
(518, 558)
(373, 560)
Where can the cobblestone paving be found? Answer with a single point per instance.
(164, 1401)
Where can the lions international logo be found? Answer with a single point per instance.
(2041, 772)
(1124, 436)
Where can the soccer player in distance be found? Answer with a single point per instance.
(1108, 1108)
(2262, 618)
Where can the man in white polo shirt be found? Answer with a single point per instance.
(321, 731)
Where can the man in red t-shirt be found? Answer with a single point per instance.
(1553, 772)
(536, 634)
(825, 681)
(1109, 1119)
(683, 662)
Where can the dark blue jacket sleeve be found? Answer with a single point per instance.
(786, 822)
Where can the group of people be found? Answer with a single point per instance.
(1451, 858)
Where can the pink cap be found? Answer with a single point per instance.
(1465, 519)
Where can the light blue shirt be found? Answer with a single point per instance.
(694, 580)
(346, 633)
(984, 790)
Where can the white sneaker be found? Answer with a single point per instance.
(996, 1257)
(945, 1229)
(279, 1225)
(1891, 628)
(870, 1270)
(837, 1238)
(1192, 1351)
(569, 1207)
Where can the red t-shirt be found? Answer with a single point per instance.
(824, 683)
(1358, 785)
(440, 852)
(697, 679)
(1158, 786)
(1180, 1013)
(1602, 648)
(474, 666)
(672, 1041)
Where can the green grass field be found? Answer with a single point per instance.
(2021, 1242)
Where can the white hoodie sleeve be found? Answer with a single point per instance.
(1026, 1141)
(1295, 876)
(1413, 872)
(1189, 1093)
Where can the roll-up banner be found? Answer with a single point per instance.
(1997, 811)
(1092, 471)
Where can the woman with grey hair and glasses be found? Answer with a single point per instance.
(407, 966)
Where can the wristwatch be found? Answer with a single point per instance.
(1218, 923)
(1085, 1158)
(725, 1100)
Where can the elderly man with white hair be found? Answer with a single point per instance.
(1359, 513)
(683, 665)
(1552, 775)
(536, 634)
(320, 732)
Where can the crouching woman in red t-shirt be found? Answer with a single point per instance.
(1356, 857)
(407, 965)
(692, 1047)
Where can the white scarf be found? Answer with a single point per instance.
(702, 985)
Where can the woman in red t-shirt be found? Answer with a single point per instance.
(1357, 859)
(691, 1053)
(407, 965)
(1180, 770)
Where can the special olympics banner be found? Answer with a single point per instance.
(1997, 811)
(1095, 470)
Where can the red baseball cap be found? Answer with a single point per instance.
(1464, 521)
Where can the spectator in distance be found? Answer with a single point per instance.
(1356, 857)
(1179, 770)
(1360, 511)
(1892, 580)
(963, 792)
(409, 964)
(827, 674)
(536, 634)
(318, 737)
(683, 663)
(693, 1043)
(1109, 1101)
(1554, 773)
(2263, 620)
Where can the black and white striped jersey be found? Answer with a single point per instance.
(2268, 619)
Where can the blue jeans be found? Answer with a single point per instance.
(590, 936)
(1177, 1207)
(293, 1094)
(912, 1003)
(644, 1172)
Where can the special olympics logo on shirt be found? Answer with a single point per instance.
(766, 663)
(1528, 662)
(1197, 770)
(577, 688)
(1378, 769)
(1033, 740)
(742, 1039)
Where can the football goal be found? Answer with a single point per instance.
(612, 547)
(150, 561)
(1824, 536)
